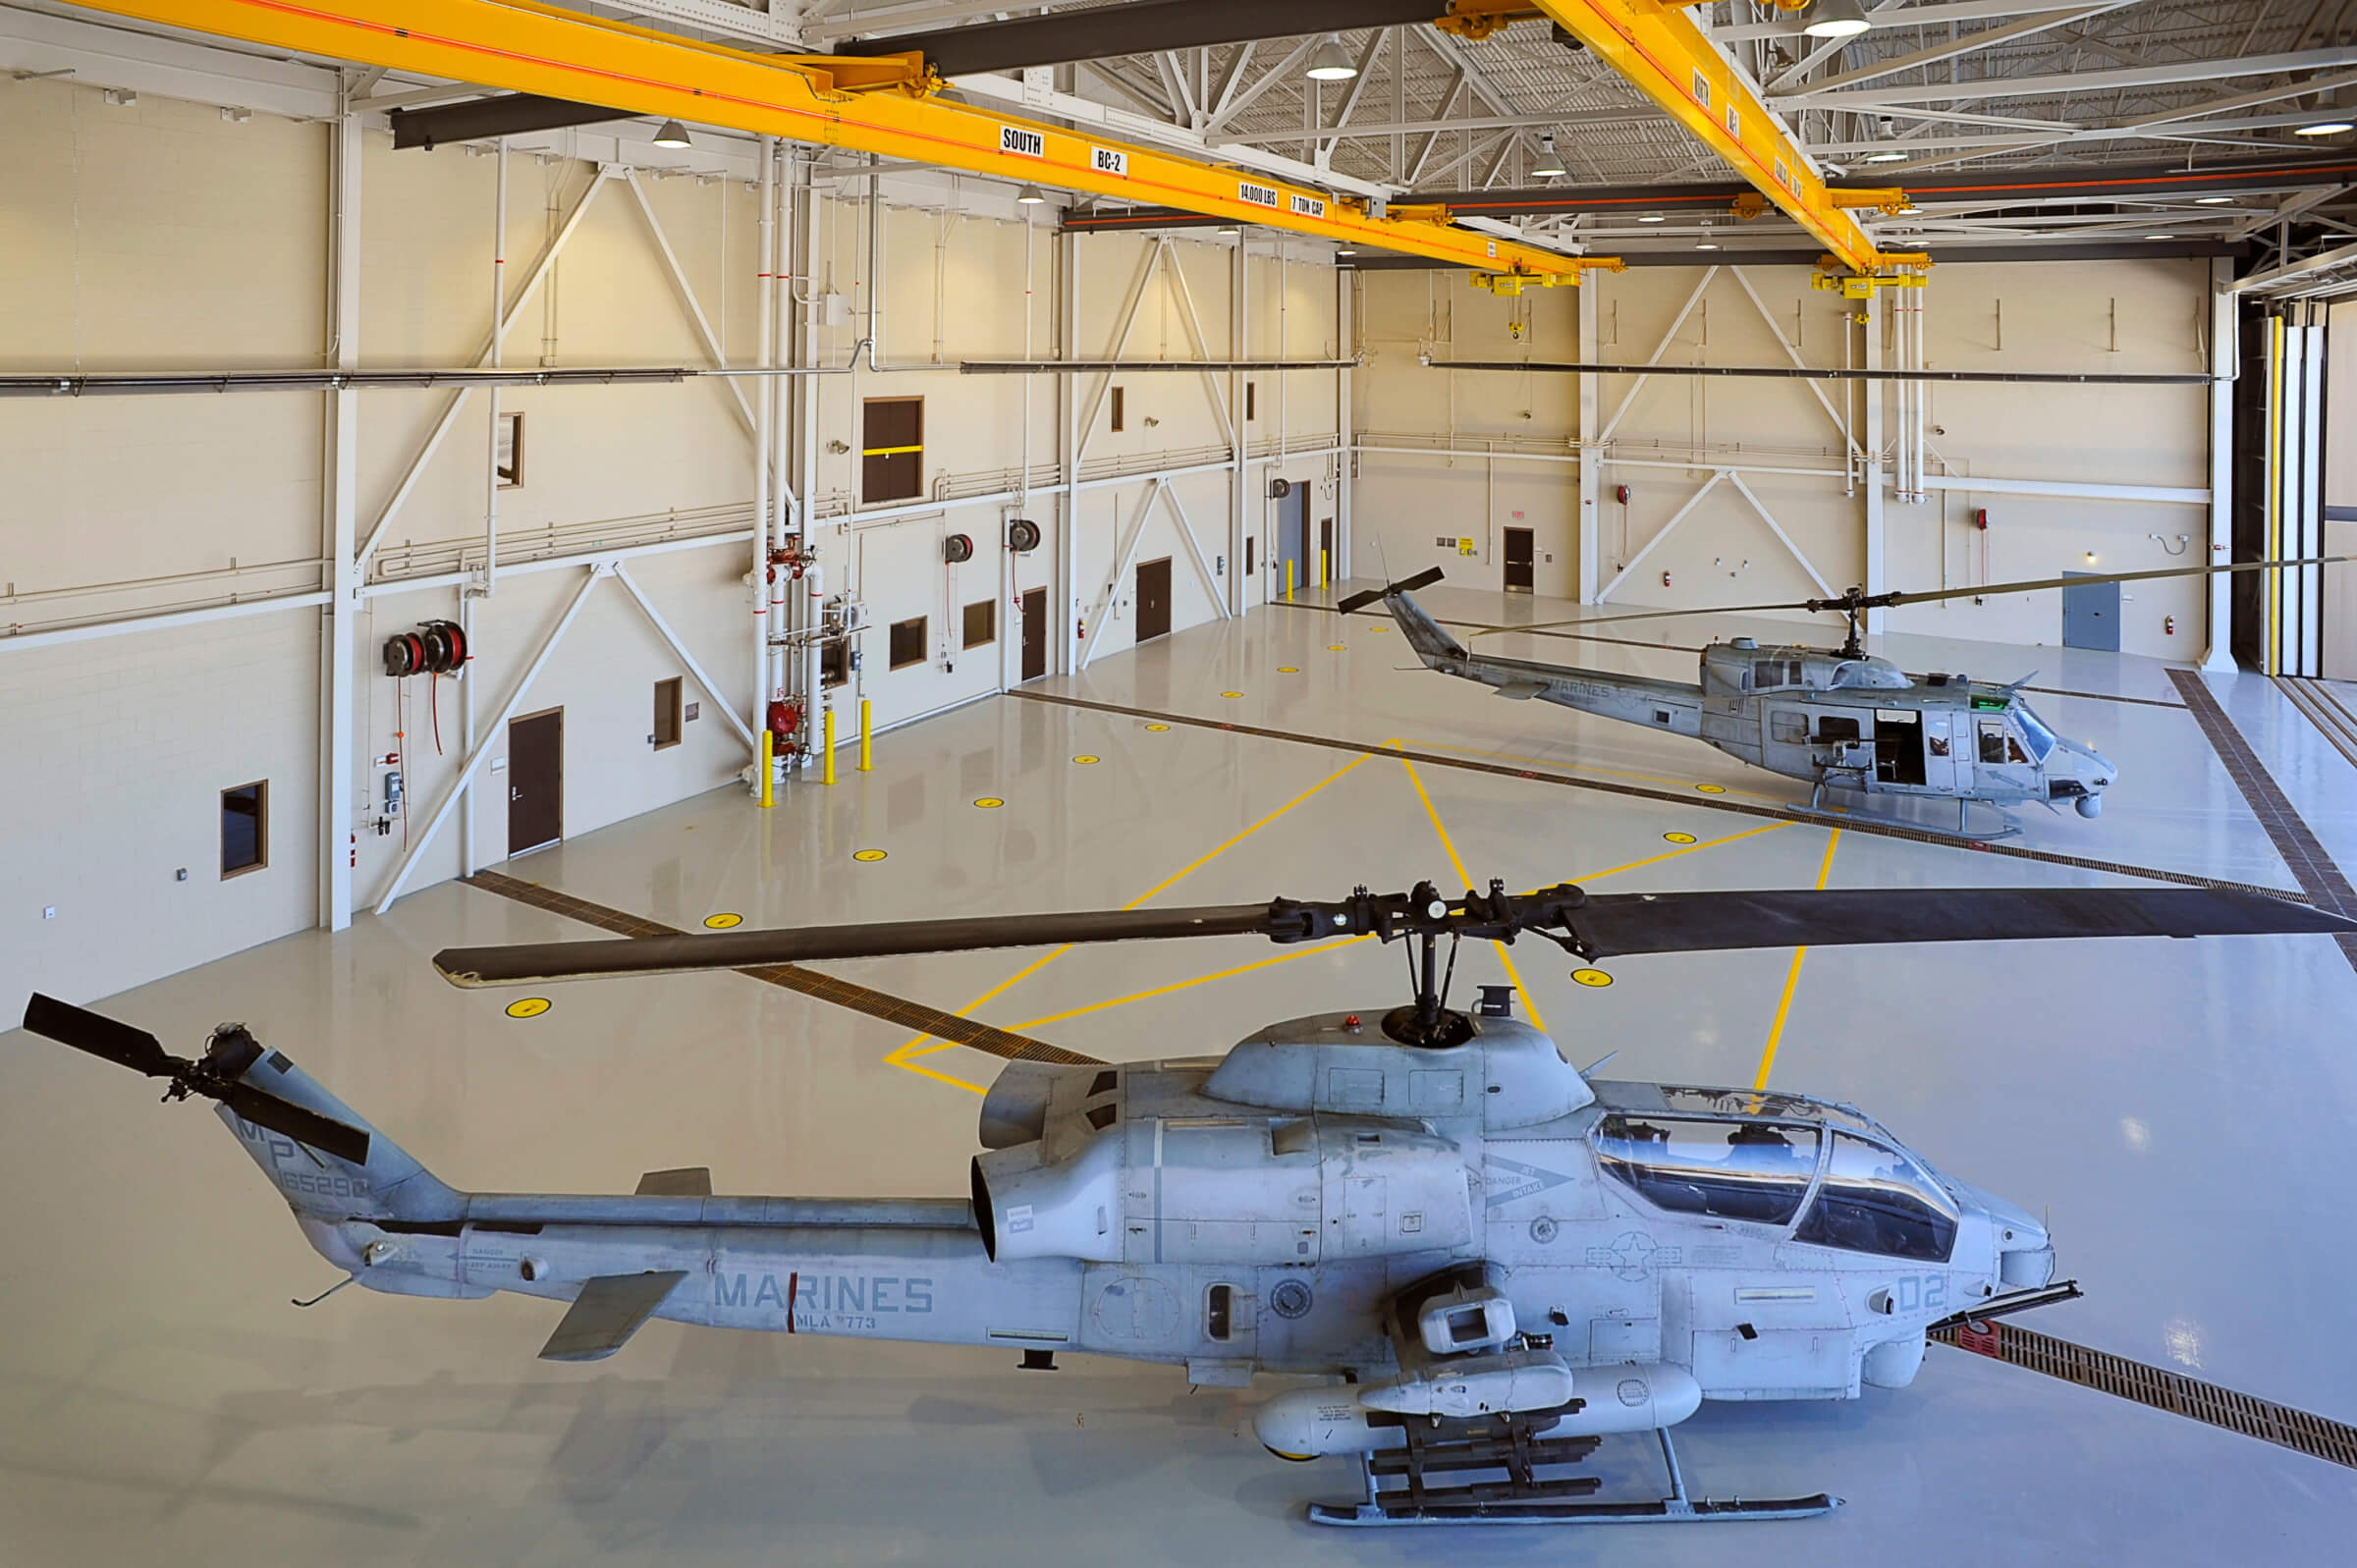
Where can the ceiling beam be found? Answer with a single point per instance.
(638, 71)
(505, 115)
(2073, 83)
(1142, 27)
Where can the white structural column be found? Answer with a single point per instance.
(340, 469)
(1590, 522)
(1875, 315)
(1240, 344)
(1346, 341)
(1067, 589)
(2225, 350)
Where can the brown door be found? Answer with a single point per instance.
(536, 780)
(1520, 559)
(1325, 561)
(1035, 633)
(1153, 599)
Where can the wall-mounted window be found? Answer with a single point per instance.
(892, 449)
(981, 622)
(509, 459)
(670, 713)
(1252, 399)
(1121, 409)
(244, 829)
(908, 642)
(1249, 542)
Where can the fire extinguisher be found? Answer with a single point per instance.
(2169, 624)
(1665, 579)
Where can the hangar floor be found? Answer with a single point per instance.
(2175, 1107)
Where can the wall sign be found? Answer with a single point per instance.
(1022, 141)
(1258, 195)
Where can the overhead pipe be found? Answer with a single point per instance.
(1813, 373)
(765, 625)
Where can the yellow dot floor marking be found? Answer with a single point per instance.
(527, 1007)
(723, 922)
(1679, 838)
(990, 803)
(1084, 759)
(1783, 1003)
(1289, 669)
(869, 855)
(917, 1047)
(1712, 789)
(1591, 977)
(1231, 693)
(1337, 647)
(1155, 729)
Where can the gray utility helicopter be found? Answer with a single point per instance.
(1841, 717)
(1502, 1261)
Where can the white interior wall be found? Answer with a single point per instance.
(2132, 317)
(162, 235)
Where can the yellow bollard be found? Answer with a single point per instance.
(828, 775)
(1324, 572)
(768, 771)
(1289, 579)
(867, 761)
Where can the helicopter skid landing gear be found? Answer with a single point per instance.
(1508, 1443)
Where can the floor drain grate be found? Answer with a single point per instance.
(2160, 1389)
(810, 983)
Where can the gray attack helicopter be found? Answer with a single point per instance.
(1838, 718)
(1492, 1260)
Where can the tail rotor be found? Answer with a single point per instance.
(230, 1052)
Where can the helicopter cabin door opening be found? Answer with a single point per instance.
(1035, 633)
(1898, 746)
(1521, 558)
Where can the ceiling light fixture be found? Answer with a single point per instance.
(2328, 127)
(2160, 237)
(1030, 197)
(1329, 63)
(1706, 245)
(1886, 157)
(1653, 217)
(1227, 229)
(1345, 250)
(2212, 201)
(673, 135)
(1549, 164)
(1837, 18)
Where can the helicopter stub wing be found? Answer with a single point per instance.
(1619, 925)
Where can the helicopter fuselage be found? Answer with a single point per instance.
(1623, 1248)
(1836, 719)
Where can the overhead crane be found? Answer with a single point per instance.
(884, 104)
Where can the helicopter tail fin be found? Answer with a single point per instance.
(386, 1183)
(1424, 634)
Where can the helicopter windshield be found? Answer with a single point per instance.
(1731, 1170)
(2034, 729)
(1877, 1200)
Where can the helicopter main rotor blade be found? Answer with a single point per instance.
(99, 1035)
(533, 962)
(1891, 600)
(264, 1109)
(1360, 600)
(1622, 925)
(2081, 581)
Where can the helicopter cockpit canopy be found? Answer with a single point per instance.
(1756, 1158)
(2033, 732)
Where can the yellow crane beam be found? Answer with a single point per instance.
(884, 105)
(1661, 50)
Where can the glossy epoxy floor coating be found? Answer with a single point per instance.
(2180, 1109)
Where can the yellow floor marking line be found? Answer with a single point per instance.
(1584, 767)
(900, 1057)
(1783, 1003)
(1530, 1008)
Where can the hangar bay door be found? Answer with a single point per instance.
(1289, 563)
